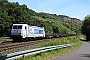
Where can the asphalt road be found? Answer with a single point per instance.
(83, 53)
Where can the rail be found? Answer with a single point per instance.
(16, 55)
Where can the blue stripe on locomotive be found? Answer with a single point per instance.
(37, 31)
(40, 31)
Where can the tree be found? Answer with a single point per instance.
(13, 12)
(86, 27)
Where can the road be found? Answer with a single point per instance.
(83, 53)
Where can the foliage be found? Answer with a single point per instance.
(86, 27)
(13, 12)
(59, 42)
(54, 53)
(63, 21)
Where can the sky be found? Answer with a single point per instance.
(72, 8)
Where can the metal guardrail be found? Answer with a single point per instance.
(16, 55)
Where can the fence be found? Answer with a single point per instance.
(16, 55)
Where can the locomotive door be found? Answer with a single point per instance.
(26, 31)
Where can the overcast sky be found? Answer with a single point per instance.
(72, 8)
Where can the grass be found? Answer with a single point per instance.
(5, 39)
(50, 55)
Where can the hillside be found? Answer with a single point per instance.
(73, 24)
(13, 12)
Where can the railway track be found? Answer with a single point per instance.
(9, 46)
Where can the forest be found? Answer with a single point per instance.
(13, 12)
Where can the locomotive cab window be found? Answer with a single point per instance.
(17, 27)
(14, 27)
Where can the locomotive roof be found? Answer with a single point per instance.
(19, 24)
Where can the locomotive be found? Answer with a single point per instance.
(25, 31)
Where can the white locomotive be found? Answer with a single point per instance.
(26, 31)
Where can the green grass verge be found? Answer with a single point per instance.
(50, 55)
(5, 39)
